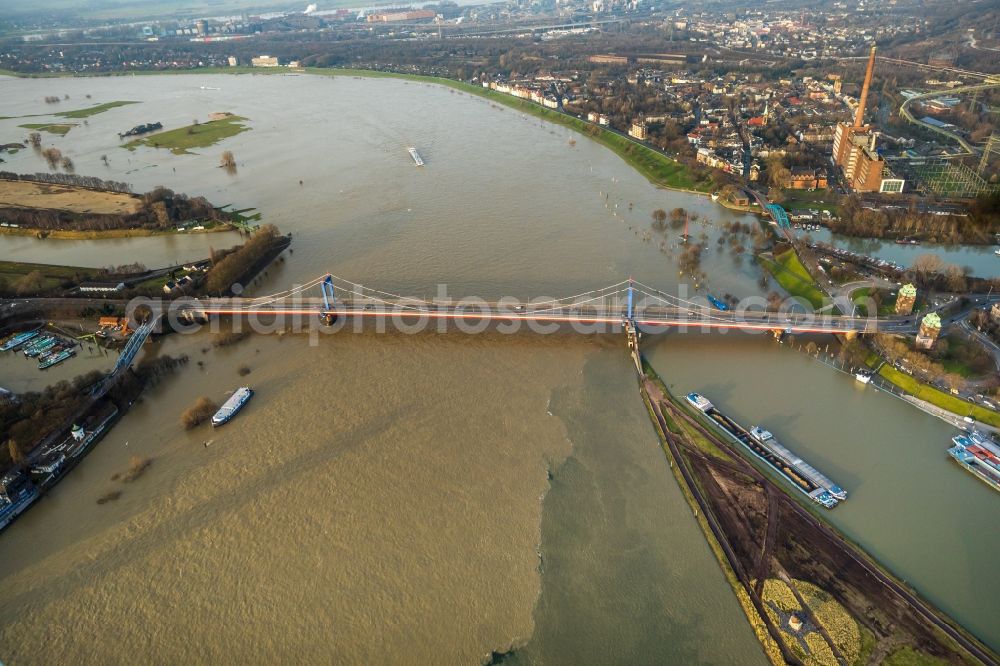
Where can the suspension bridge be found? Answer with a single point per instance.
(631, 301)
(630, 306)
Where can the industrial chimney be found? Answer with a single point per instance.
(859, 116)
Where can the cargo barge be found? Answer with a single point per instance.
(41, 346)
(17, 340)
(55, 359)
(979, 455)
(762, 444)
(233, 405)
(139, 130)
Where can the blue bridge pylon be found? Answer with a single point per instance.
(329, 300)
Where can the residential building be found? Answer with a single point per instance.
(930, 329)
(906, 299)
(805, 178)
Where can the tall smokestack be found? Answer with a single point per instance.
(859, 116)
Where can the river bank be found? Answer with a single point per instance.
(69, 234)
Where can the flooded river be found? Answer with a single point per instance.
(429, 498)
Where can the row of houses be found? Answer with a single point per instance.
(536, 95)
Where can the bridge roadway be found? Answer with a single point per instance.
(647, 317)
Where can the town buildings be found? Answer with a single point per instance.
(264, 61)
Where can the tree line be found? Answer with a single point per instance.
(979, 228)
(239, 263)
(75, 180)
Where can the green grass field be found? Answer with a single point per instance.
(181, 140)
(940, 398)
(62, 129)
(93, 110)
(793, 277)
(907, 656)
(804, 199)
(52, 276)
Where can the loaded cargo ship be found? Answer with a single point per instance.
(230, 407)
(762, 444)
(978, 454)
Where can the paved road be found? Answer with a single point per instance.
(648, 317)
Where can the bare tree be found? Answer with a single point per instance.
(228, 162)
(927, 264)
(955, 278)
(52, 156)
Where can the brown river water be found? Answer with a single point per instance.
(430, 498)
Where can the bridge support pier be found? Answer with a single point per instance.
(328, 316)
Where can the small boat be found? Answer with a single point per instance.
(715, 196)
(997, 251)
(699, 401)
(416, 156)
(863, 377)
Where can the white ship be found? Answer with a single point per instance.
(419, 161)
(230, 407)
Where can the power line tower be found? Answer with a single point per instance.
(992, 144)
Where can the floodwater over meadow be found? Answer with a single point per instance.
(422, 498)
